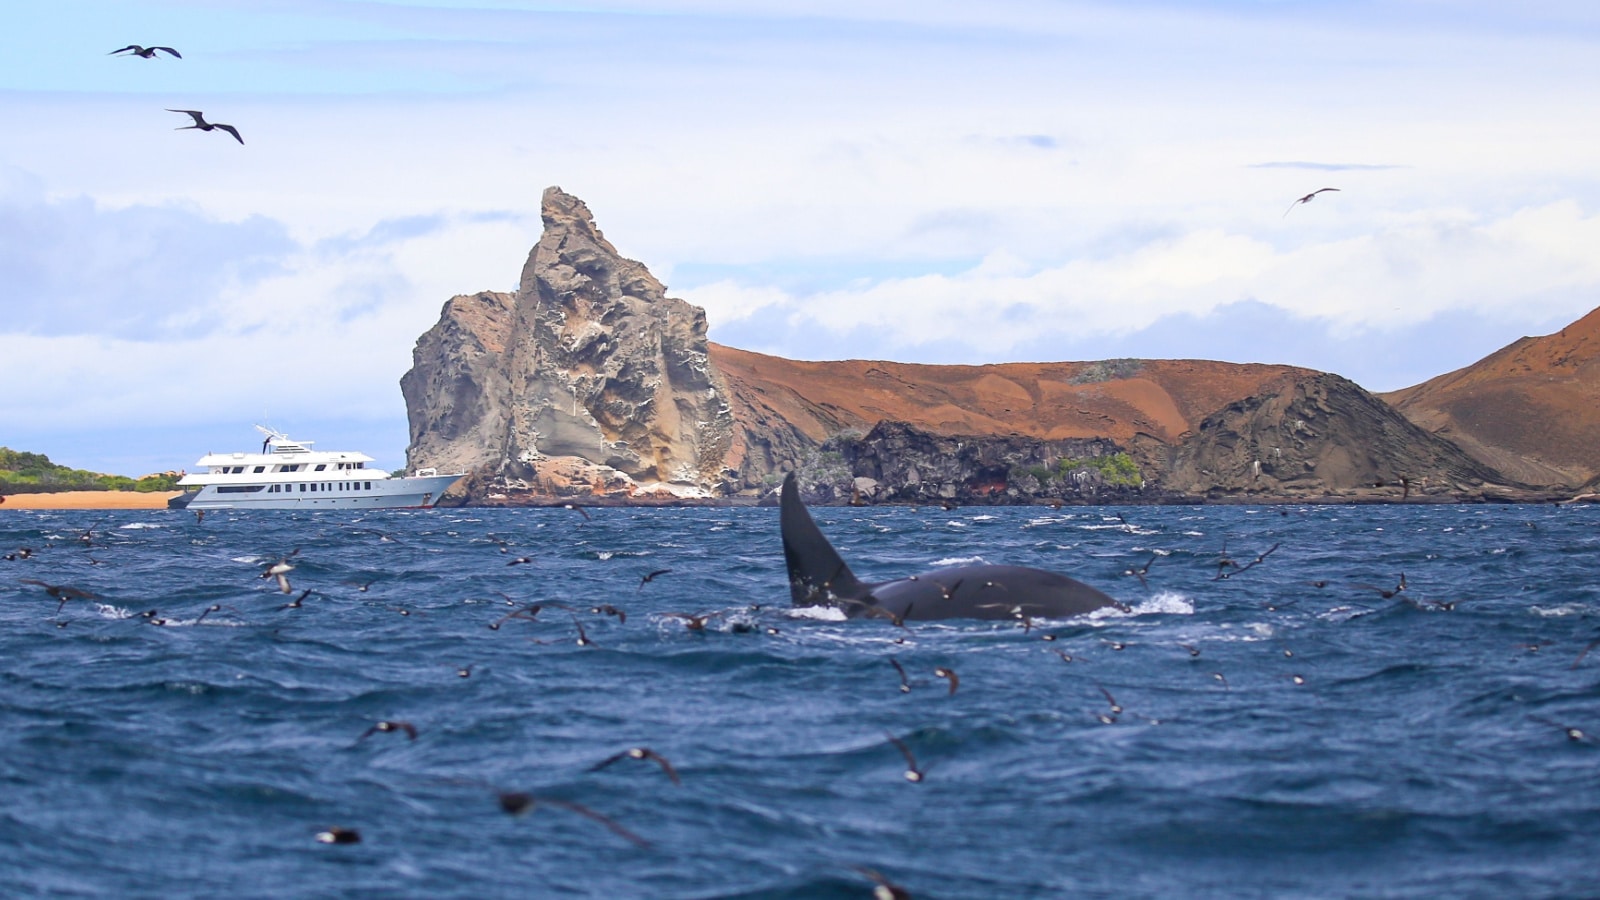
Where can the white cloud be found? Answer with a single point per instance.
(1400, 276)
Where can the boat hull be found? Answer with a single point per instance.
(417, 492)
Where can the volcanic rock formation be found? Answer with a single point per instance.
(590, 382)
(588, 372)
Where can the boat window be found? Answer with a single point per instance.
(240, 488)
(260, 469)
(293, 468)
(369, 485)
(302, 489)
(359, 465)
(321, 466)
(238, 470)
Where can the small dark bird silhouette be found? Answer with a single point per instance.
(201, 123)
(1306, 199)
(1142, 571)
(883, 889)
(280, 570)
(606, 609)
(215, 607)
(146, 52)
(694, 622)
(22, 553)
(1222, 567)
(528, 613)
(640, 753)
(905, 683)
(1572, 733)
(517, 803)
(338, 835)
(521, 560)
(1592, 644)
(1116, 708)
(649, 577)
(390, 725)
(296, 602)
(62, 592)
(950, 676)
(1193, 650)
(913, 773)
(576, 508)
(583, 636)
(1385, 593)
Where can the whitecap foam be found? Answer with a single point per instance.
(959, 561)
(1565, 609)
(136, 526)
(819, 613)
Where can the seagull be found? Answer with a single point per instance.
(145, 52)
(1306, 199)
(201, 123)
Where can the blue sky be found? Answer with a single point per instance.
(921, 181)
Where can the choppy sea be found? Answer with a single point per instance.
(1286, 731)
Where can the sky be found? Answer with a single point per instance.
(928, 181)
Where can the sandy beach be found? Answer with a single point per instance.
(90, 500)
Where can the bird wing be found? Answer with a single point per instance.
(169, 50)
(665, 766)
(199, 119)
(231, 130)
(134, 47)
(586, 812)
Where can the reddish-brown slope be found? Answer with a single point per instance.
(1529, 409)
(1164, 399)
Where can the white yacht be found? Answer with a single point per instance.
(289, 474)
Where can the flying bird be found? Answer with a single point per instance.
(146, 52)
(201, 123)
(651, 576)
(62, 592)
(1306, 199)
(640, 753)
(949, 675)
(913, 773)
(390, 725)
(517, 803)
(884, 888)
(905, 683)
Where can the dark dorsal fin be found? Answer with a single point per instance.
(815, 568)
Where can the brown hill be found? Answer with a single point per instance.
(589, 381)
(1528, 409)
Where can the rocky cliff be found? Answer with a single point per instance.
(590, 382)
(587, 380)
(1528, 409)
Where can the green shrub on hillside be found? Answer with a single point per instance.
(34, 473)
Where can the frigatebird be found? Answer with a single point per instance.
(201, 123)
(145, 52)
(1306, 199)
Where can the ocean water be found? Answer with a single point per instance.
(1287, 731)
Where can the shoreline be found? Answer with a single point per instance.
(89, 500)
